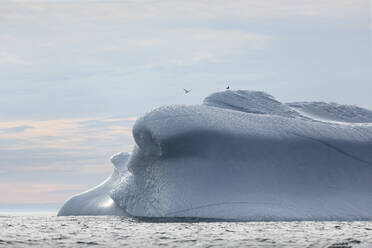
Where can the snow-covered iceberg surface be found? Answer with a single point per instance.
(243, 155)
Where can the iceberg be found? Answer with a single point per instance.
(242, 155)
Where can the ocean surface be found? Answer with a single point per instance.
(105, 231)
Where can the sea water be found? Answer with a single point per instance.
(109, 231)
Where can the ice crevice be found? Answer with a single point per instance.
(337, 149)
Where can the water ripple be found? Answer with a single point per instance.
(105, 231)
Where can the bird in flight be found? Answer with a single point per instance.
(186, 91)
(228, 87)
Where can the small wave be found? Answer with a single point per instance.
(87, 243)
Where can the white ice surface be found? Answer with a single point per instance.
(333, 112)
(244, 155)
(97, 201)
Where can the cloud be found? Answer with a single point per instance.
(66, 155)
(17, 129)
(14, 60)
(72, 147)
(100, 123)
(65, 133)
(147, 9)
(20, 193)
(93, 58)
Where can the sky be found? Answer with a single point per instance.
(75, 75)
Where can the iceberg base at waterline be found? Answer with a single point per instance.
(242, 155)
(97, 200)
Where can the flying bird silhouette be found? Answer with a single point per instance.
(186, 91)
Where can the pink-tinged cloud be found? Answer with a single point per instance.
(15, 193)
(65, 133)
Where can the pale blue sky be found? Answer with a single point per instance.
(76, 74)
